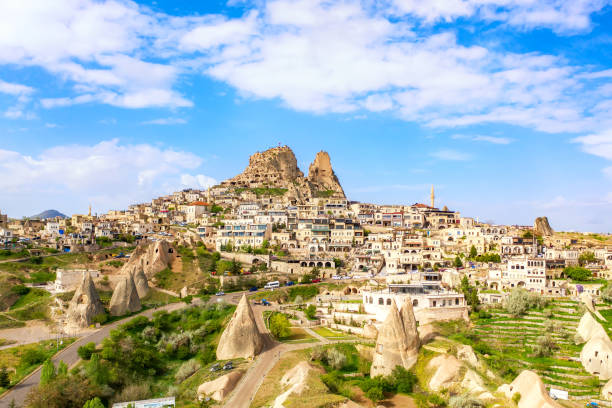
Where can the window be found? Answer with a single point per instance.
(389, 302)
(381, 301)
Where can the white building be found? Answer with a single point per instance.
(68, 279)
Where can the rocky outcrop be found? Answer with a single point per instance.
(219, 388)
(241, 338)
(606, 391)
(466, 353)
(596, 357)
(277, 168)
(542, 227)
(85, 304)
(125, 297)
(141, 282)
(370, 331)
(589, 328)
(397, 342)
(322, 177)
(532, 390)
(589, 302)
(294, 382)
(152, 257)
(446, 371)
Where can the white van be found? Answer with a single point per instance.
(272, 285)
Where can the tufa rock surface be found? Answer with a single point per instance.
(125, 297)
(542, 227)
(596, 357)
(532, 390)
(152, 257)
(141, 282)
(241, 338)
(277, 168)
(397, 342)
(219, 388)
(322, 176)
(85, 304)
(589, 328)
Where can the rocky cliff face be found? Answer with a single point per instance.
(85, 304)
(277, 168)
(151, 257)
(321, 175)
(542, 227)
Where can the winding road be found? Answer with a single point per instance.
(70, 357)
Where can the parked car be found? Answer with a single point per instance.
(265, 302)
(290, 283)
(220, 293)
(253, 289)
(215, 367)
(228, 366)
(337, 277)
(316, 280)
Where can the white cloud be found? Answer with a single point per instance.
(112, 173)
(484, 138)
(559, 15)
(165, 121)
(14, 89)
(599, 144)
(199, 181)
(453, 155)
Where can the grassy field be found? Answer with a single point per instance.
(507, 343)
(332, 334)
(22, 360)
(316, 395)
(298, 335)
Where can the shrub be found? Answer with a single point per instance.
(544, 346)
(375, 394)
(133, 392)
(20, 290)
(87, 350)
(520, 301)
(606, 293)
(32, 357)
(403, 380)
(4, 378)
(298, 300)
(577, 273)
(335, 358)
(94, 403)
(516, 397)
(311, 311)
(186, 370)
(47, 373)
(465, 401)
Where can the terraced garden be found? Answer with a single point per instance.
(509, 345)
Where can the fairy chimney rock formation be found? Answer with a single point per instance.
(397, 342)
(125, 297)
(322, 176)
(532, 390)
(241, 338)
(542, 227)
(141, 282)
(85, 304)
(152, 257)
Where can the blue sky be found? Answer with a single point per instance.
(504, 105)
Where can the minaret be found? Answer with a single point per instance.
(432, 196)
(89, 210)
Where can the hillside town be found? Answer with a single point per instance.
(379, 272)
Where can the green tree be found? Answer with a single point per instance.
(577, 273)
(235, 267)
(586, 258)
(94, 403)
(375, 394)
(62, 369)
(47, 373)
(4, 378)
(473, 252)
(458, 263)
(279, 325)
(87, 350)
(311, 311)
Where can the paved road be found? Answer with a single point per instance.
(69, 356)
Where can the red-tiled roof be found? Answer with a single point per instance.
(200, 203)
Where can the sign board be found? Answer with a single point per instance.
(558, 394)
(168, 402)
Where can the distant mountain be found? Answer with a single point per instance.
(48, 214)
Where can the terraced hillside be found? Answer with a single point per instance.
(511, 343)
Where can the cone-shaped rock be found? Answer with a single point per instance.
(395, 345)
(241, 338)
(152, 257)
(85, 304)
(542, 227)
(141, 282)
(322, 176)
(410, 330)
(125, 297)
